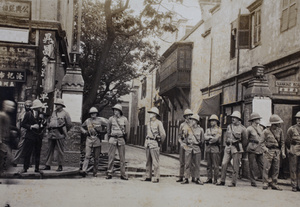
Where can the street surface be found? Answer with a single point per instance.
(98, 191)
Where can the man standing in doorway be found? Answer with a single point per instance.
(235, 135)
(254, 146)
(117, 130)
(274, 147)
(187, 114)
(59, 124)
(293, 148)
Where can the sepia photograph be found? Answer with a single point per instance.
(149, 103)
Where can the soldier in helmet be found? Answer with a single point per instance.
(59, 124)
(155, 136)
(93, 127)
(293, 148)
(194, 136)
(187, 114)
(254, 145)
(117, 130)
(235, 135)
(212, 138)
(274, 146)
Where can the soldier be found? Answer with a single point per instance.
(293, 148)
(34, 123)
(93, 127)
(274, 146)
(155, 136)
(187, 114)
(117, 130)
(59, 124)
(235, 135)
(194, 136)
(254, 146)
(212, 140)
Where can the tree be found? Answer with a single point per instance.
(115, 45)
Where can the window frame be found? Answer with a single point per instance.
(290, 3)
(256, 28)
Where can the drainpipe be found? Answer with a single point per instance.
(210, 65)
(237, 58)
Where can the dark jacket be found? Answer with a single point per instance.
(30, 120)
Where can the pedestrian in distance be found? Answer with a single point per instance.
(58, 127)
(212, 139)
(34, 122)
(183, 127)
(93, 128)
(8, 107)
(293, 150)
(274, 147)
(234, 136)
(254, 146)
(194, 136)
(117, 130)
(154, 138)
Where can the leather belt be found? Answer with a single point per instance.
(253, 141)
(150, 138)
(273, 147)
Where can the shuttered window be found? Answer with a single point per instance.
(288, 15)
(144, 88)
(244, 32)
(256, 28)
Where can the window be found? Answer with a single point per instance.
(255, 28)
(144, 88)
(157, 79)
(288, 15)
(233, 39)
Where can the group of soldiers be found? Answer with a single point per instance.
(265, 145)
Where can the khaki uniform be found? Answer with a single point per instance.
(59, 124)
(154, 128)
(255, 150)
(194, 137)
(181, 140)
(93, 141)
(212, 141)
(274, 145)
(116, 128)
(235, 135)
(293, 146)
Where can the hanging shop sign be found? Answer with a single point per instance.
(288, 87)
(8, 78)
(20, 9)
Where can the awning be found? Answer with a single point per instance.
(210, 106)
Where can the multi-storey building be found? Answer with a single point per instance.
(35, 40)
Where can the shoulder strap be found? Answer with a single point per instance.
(192, 131)
(274, 135)
(152, 130)
(121, 128)
(256, 130)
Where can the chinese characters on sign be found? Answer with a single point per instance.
(288, 87)
(16, 9)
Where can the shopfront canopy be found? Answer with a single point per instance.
(210, 106)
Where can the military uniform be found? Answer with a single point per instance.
(93, 142)
(182, 141)
(154, 128)
(293, 146)
(116, 129)
(255, 150)
(60, 123)
(234, 137)
(274, 143)
(212, 141)
(194, 137)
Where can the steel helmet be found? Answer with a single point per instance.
(275, 119)
(93, 110)
(236, 114)
(213, 117)
(154, 110)
(118, 107)
(59, 101)
(298, 114)
(254, 116)
(195, 117)
(187, 112)
(37, 104)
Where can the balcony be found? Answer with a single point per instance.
(175, 71)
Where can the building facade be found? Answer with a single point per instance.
(35, 40)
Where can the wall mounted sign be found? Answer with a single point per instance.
(14, 35)
(12, 76)
(21, 9)
(288, 87)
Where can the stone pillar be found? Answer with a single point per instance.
(72, 94)
(257, 98)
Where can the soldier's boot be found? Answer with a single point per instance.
(186, 181)
(222, 183)
(199, 182)
(208, 181)
(60, 168)
(179, 180)
(253, 184)
(193, 179)
(276, 187)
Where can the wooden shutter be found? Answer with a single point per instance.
(293, 14)
(244, 32)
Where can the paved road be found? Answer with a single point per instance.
(100, 192)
